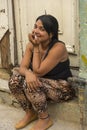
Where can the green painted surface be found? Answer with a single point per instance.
(83, 38)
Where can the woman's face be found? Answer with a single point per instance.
(40, 32)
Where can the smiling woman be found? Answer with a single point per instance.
(42, 74)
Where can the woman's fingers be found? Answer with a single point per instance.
(31, 38)
(33, 86)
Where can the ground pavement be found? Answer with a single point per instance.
(10, 115)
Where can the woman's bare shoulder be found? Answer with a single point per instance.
(59, 50)
(59, 45)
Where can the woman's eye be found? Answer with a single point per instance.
(42, 29)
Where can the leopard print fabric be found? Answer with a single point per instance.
(51, 90)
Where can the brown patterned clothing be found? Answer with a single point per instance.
(51, 90)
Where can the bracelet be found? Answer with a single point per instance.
(36, 51)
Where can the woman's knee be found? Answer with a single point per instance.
(15, 81)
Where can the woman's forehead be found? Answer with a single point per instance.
(39, 22)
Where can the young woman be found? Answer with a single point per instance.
(42, 74)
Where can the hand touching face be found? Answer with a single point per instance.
(39, 34)
(34, 39)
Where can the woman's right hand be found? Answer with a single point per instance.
(33, 39)
(32, 81)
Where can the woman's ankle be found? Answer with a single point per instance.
(30, 112)
(43, 115)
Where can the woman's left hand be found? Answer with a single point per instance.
(32, 81)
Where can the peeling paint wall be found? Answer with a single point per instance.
(83, 38)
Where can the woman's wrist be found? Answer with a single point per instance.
(36, 49)
(27, 70)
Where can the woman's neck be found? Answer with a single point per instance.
(45, 45)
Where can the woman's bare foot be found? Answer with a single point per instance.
(30, 116)
(43, 124)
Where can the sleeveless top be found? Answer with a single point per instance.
(61, 70)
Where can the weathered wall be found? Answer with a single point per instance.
(83, 38)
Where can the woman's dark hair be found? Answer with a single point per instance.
(50, 24)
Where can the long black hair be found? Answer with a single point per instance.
(50, 24)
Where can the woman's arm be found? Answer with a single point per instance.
(24, 66)
(30, 77)
(57, 54)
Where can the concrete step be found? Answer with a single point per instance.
(4, 74)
